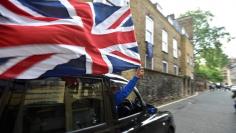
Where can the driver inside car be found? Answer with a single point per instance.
(121, 93)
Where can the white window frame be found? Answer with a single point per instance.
(177, 70)
(164, 41)
(150, 30)
(191, 61)
(188, 59)
(175, 48)
(164, 62)
(179, 53)
(192, 75)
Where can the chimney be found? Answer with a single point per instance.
(172, 16)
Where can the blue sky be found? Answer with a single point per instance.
(224, 12)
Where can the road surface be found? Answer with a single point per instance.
(208, 112)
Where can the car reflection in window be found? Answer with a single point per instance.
(54, 105)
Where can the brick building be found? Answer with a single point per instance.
(226, 75)
(172, 60)
(233, 70)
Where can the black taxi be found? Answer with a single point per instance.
(76, 105)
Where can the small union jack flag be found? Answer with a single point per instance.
(65, 37)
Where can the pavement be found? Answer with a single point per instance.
(206, 112)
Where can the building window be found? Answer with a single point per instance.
(179, 53)
(188, 59)
(149, 40)
(192, 75)
(164, 67)
(164, 41)
(176, 70)
(191, 61)
(175, 48)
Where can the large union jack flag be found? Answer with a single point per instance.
(64, 37)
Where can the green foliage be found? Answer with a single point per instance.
(205, 36)
(215, 58)
(211, 74)
(207, 42)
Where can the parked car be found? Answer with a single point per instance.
(227, 87)
(212, 86)
(76, 105)
(233, 88)
(218, 85)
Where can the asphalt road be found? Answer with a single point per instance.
(208, 112)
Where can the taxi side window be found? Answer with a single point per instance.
(131, 105)
(86, 101)
(53, 105)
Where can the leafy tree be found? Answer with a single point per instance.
(215, 57)
(207, 42)
(205, 36)
(214, 75)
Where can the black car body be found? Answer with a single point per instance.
(76, 105)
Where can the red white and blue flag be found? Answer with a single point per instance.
(64, 37)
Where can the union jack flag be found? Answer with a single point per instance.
(65, 37)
